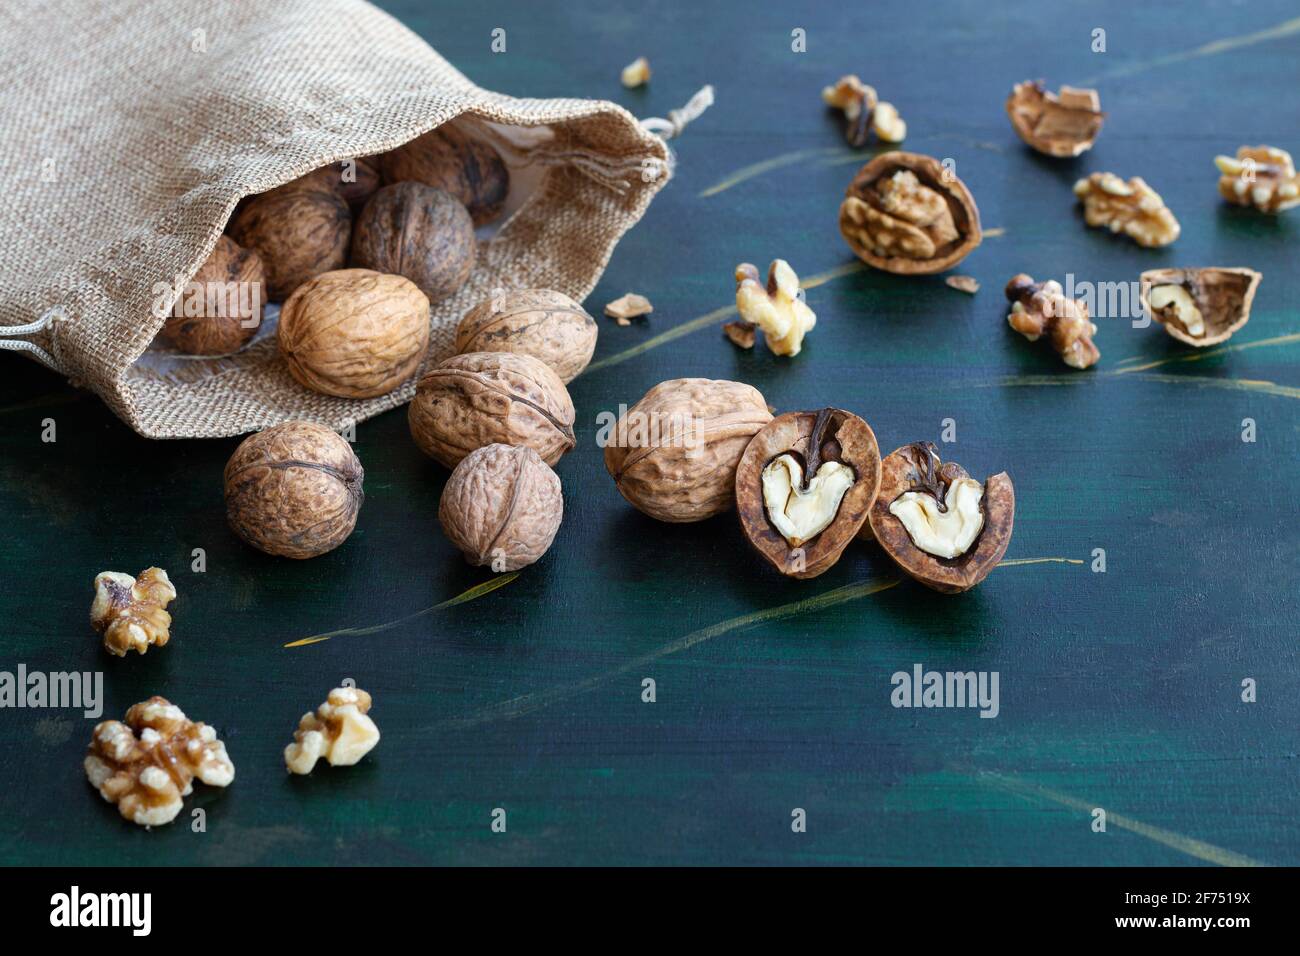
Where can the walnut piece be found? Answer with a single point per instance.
(131, 612)
(148, 764)
(1056, 124)
(864, 112)
(1259, 176)
(339, 731)
(968, 284)
(909, 214)
(1200, 306)
(1038, 307)
(629, 306)
(741, 333)
(776, 308)
(636, 73)
(1132, 207)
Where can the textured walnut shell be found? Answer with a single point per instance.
(502, 507)
(294, 490)
(1063, 124)
(354, 185)
(416, 231)
(485, 398)
(468, 169)
(903, 471)
(239, 273)
(933, 176)
(1223, 296)
(354, 333)
(845, 438)
(539, 322)
(299, 231)
(673, 454)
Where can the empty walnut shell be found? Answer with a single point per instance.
(502, 507)
(469, 169)
(673, 454)
(1222, 298)
(299, 230)
(908, 214)
(916, 467)
(1060, 124)
(294, 490)
(485, 398)
(812, 438)
(221, 307)
(542, 323)
(419, 232)
(354, 333)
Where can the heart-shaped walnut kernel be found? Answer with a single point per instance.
(804, 486)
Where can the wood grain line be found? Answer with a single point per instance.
(1214, 47)
(778, 161)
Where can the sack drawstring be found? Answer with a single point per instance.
(9, 333)
(678, 120)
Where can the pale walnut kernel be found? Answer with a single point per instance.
(1259, 176)
(339, 731)
(148, 764)
(130, 612)
(775, 308)
(1132, 208)
(863, 112)
(627, 307)
(1042, 307)
(636, 73)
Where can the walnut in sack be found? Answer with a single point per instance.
(221, 307)
(130, 612)
(419, 232)
(148, 764)
(1132, 208)
(299, 230)
(340, 731)
(470, 169)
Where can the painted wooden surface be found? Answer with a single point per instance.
(1119, 690)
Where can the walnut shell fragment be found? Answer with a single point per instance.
(486, 398)
(628, 306)
(909, 214)
(1063, 124)
(354, 333)
(1200, 306)
(502, 507)
(545, 324)
(219, 309)
(916, 468)
(417, 231)
(448, 159)
(742, 334)
(811, 444)
(673, 454)
(294, 490)
(299, 230)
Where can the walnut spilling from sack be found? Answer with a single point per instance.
(129, 611)
(777, 309)
(864, 112)
(636, 73)
(1056, 124)
(1038, 307)
(1259, 176)
(1132, 207)
(339, 731)
(148, 764)
(628, 307)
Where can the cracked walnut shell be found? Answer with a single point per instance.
(340, 731)
(915, 472)
(130, 612)
(909, 214)
(1063, 124)
(545, 324)
(221, 307)
(1260, 176)
(1041, 307)
(299, 230)
(294, 490)
(673, 454)
(486, 398)
(1199, 306)
(1132, 208)
(502, 507)
(148, 764)
(354, 333)
(446, 158)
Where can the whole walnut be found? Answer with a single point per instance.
(539, 322)
(674, 453)
(354, 333)
(294, 490)
(502, 507)
(485, 398)
(354, 180)
(300, 230)
(416, 231)
(221, 307)
(469, 169)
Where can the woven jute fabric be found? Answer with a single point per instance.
(131, 129)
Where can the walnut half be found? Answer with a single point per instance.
(1063, 124)
(1200, 306)
(130, 612)
(1132, 208)
(148, 764)
(340, 731)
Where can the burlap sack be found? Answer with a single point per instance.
(131, 129)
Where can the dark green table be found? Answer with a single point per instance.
(1119, 690)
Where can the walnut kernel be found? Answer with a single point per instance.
(777, 308)
(1132, 208)
(1259, 176)
(636, 73)
(340, 731)
(1038, 307)
(130, 612)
